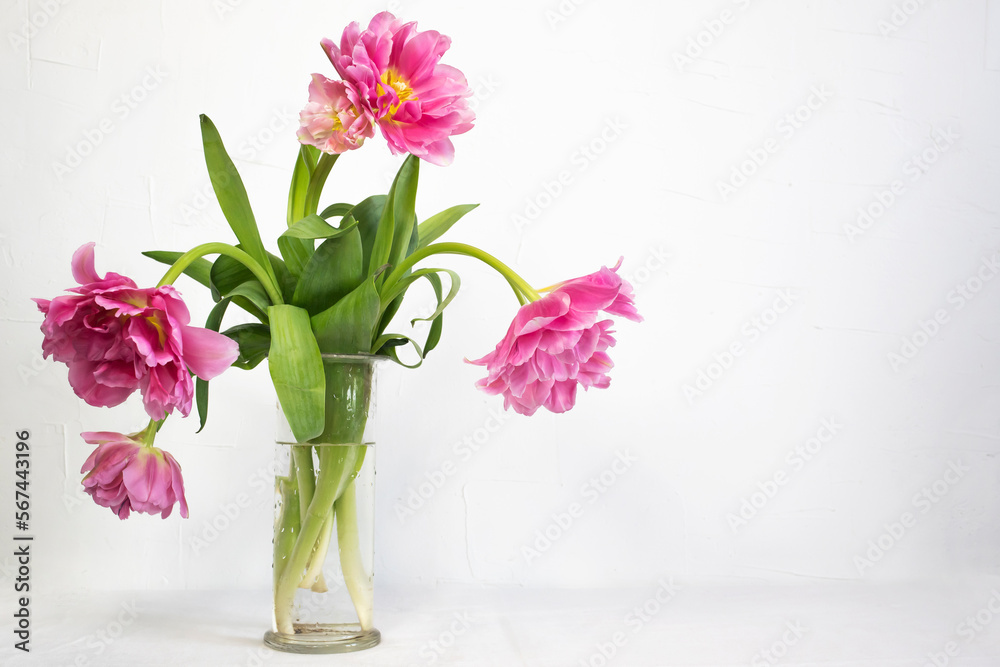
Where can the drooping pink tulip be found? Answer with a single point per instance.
(334, 120)
(417, 102)
(117, 338)
(125, 475)
(557, 343)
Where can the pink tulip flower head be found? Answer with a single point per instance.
(117, 338)
(557, 343)
(126, 474)
(334, 120)
(417, 102)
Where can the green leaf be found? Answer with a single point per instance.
(404, 189)
(367, 214)
(232, 195)
(286, 281)
(201, 400)
(435, 280)
(305, 164)
(317, 180)
(382, 244)
(229, 278)
(406, 281)
(436, 319)
(434, 335)
(213, 323)
(386, 346)
(297, 370)
(336, 210)
(315, 227)
(347, 327)
(390, 310)
(296, 252)
(254, 341)
(253, 292)
(435, 226)
(198, 269)
(227, 274)
(214, 320)
(249, 306)
(336, 268)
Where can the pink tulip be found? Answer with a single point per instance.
(125, 474)
(116, 338)
(334, 120)
(417, 102)
(557, 343)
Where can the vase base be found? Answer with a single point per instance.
(323, 638)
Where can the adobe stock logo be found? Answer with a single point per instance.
(635, 620)
(901, 15)
(914, 169)
(958, 298)
(417, 496)
(30, 28)
(968, 629)
(794, 631)
(433, 649)
(582, 158)
(712, 30)
(786, 128)
(923, 501)
(750, 332)
(796, 460)
(562, 12)
(592, 490)
(123, 107)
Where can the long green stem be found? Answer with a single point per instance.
(288, 526)
(177, 268)
(312, 524)
(306, 476)
(348, 460)
(519, 284)
(313, 578)
(340, 456)
(318, 180)
(356, 577)
(148, 435)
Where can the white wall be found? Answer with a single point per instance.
(707, 268)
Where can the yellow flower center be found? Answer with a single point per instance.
(160, 330)
(391, 79)
(140, 301)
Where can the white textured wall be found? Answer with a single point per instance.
(843, 103)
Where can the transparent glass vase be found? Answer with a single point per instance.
(324, 521)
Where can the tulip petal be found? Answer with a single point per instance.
(208, 353)
(125, 475)
(562, 397)
(140, 476)
(556, 344)
(115, 337)
(177, 484)
(82, 264)
(400, 84)
(83, 381)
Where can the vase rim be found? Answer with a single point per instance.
(353, 358)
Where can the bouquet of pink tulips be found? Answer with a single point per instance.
(334, 287)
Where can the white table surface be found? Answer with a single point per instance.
(830, 624)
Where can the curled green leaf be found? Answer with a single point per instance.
(296, 368)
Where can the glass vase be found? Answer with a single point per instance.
(324, 521)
